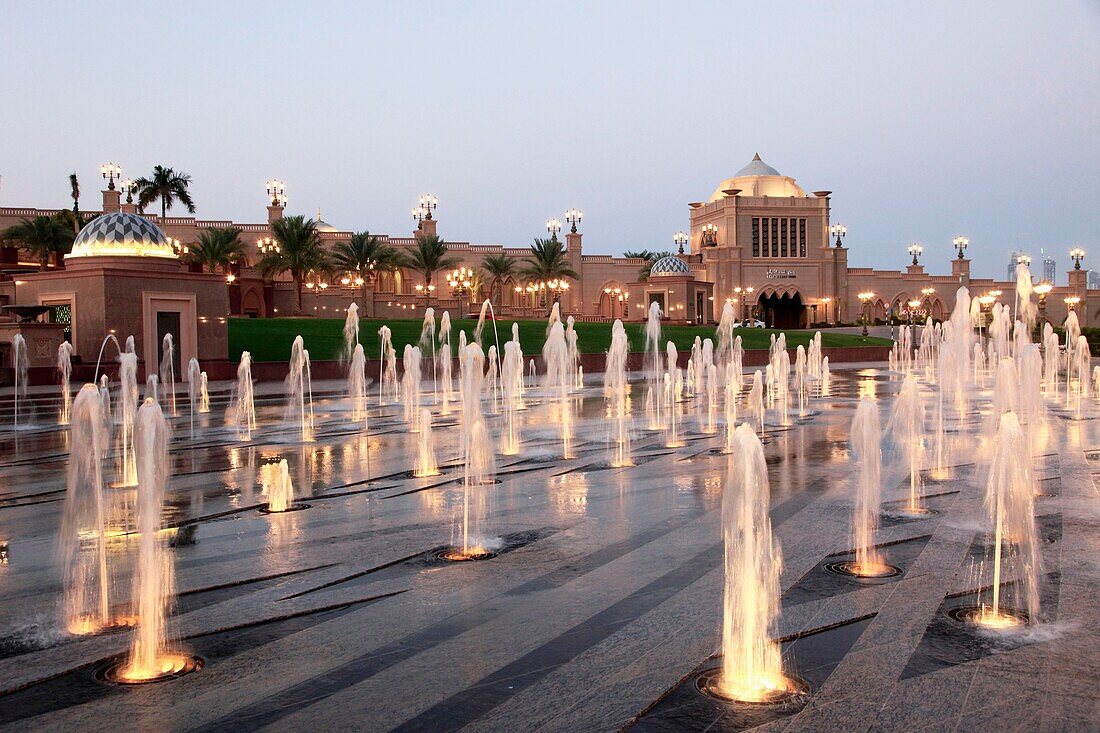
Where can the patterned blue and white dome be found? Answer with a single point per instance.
(670, 265)
(121, 235)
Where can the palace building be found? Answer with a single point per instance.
(759, 242)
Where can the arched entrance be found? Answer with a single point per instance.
(782, 311)
(613, 301)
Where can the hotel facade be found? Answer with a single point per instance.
(759, 242)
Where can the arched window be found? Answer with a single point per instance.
(613, 302)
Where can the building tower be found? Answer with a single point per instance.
(1049, 267)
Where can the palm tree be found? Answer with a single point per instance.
(72, 217)
(301, 251)
(74, 191)
(498, 268)
(42, 235)
(548, 261)
(428, 257)
(168, 187)
(218, 248)
(366, 255)
(649, 257)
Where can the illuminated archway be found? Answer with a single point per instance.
(613, 302)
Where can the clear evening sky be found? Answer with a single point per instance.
(926, 119)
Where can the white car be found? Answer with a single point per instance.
(747, 323)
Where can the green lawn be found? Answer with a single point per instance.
(269, 339)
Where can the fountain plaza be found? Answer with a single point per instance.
(490, 543)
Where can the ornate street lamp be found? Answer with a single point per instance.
(573, 216)
(617, 294)
(423, 209)
(738, 291)
(557, 287)
(1077, 254)
(553, 226)
(315, 282)
(1043, 290)
(1023, 259)
(428, 204)
(276, 189)
(554, 287)
(179, 247)
(680, 239)
(864, 299)
(825, 301)
(267, 245)
(839, 231)
(1072, 301)
(926, 301)
(710, 235)
(913, 305)
(961, 243)
(915, 250)
(130, 187)
(110, 172)
(461, 281)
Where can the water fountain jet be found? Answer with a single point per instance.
(154, 653)
(752, 667)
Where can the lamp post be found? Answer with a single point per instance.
(556, 287)
(129, 186)
(617, 295)
(110, 172)
(710, 235)
(961, 243)
(864, 299)
(573, 216)
(177, 246)
(426, 291)
(268, 245)
(428, 203)
(1023, 259)
(1043, 290)
(553, 226)
(315, 284)
(460, 280)
(423, 210)
(1077, 254)
(915, 250)
(229, 280)
(913, 305)
(926, 301)
(1072, 301)
(839, 231)
(738, 291)
(276, 189)
(825, 302)
(680, 239)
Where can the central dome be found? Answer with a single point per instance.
(121, 235)
(758, 179)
